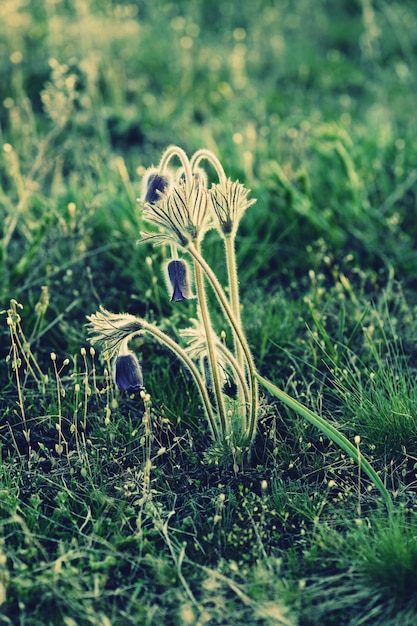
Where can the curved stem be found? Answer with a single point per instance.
(175, 151)
(218, 290)
(183, 356)
(114, 331)
(174, 251)
(211, 158)
(128, 327)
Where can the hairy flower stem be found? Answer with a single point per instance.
(170, 153)
(239, 374)
(229, 243)
(211, 158)
(211, 353)
(183, 356)
(218, 290)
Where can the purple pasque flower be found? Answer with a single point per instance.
(181, 214)
(155, 185)
(128, 372)
(178, 273)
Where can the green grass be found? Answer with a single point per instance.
(110, 512)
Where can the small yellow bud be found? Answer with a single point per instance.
(59, 448)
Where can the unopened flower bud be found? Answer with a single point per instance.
(128, 373)
(229, 201)
(155, 185)
(178, 274)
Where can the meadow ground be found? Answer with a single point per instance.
(118, 511)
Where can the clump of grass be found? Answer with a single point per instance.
(383, 409)
(382, 404)
(378, 393)
(389, 559)
(379, 587)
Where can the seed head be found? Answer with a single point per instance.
(110, 331)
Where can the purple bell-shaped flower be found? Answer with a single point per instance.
(155, 185)
(128, 372)
(178, 274)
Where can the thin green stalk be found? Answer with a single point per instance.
(183, 356)
(332, 433)
(229, 243)
(238, 371)
(211, 353)
(221, 296)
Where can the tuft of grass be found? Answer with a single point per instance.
(379, 587)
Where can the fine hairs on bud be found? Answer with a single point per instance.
(155, 185)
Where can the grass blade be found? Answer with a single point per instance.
(332, 433)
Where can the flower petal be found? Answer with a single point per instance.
(178, 274)
(128, 373)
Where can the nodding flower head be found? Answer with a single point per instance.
(127, 372)
(178, 273)
(155, 185)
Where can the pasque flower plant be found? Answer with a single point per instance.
(182, 208)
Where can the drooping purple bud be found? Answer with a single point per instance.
(128, 373)
(178, 274)
(155, 185)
